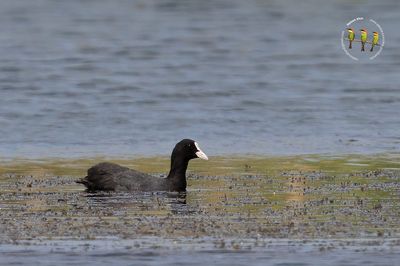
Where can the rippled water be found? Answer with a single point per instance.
(82, 78)
(276, 253)
(79, 78)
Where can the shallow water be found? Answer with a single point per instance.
(80, 78)
(199, 252)
(265, 211)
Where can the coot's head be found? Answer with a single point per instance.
(188, 149)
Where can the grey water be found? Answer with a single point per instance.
(116, 78)
(126, 252)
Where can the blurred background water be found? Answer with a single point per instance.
(83, 78)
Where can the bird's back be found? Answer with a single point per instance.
(113, 177)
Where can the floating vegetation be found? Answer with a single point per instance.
(300, 197)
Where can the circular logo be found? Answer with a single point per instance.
(362, 39)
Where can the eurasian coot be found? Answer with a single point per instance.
(113, 177)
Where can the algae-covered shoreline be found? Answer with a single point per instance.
(299, 197)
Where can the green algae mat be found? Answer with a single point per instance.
(299, 197)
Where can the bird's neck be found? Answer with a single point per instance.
(177, 175)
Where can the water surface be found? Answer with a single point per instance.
(81, 78)
(265, 211)
(116, 78)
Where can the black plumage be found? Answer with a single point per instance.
(113, 177)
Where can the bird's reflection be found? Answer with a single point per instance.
(176, 202)
(177, 197)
